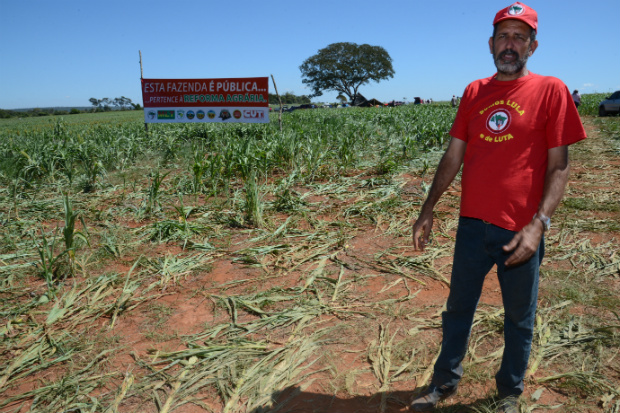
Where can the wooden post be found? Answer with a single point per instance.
(146, 125)
(279, 100)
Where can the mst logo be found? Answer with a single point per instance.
(253, 114)
(498, 121)
(515, 9)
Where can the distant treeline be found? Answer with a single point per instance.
(99, 105)
(107, 104)
(288, 98)
(26, 113)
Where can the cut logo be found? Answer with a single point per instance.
(253, 114)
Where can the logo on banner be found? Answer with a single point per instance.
(224, 114)
(180, 114)
(253, 114)
(190, 114)
(200, 114)
(237, 114)
(165, 114)
(211, 114)
(151, 115)
(498, 121)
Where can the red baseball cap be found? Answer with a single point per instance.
(518, 11)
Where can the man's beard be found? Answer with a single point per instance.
(513, 67)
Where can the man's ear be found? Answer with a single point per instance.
(533, 47)
(491, 44)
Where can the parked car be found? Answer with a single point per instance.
(610, 105)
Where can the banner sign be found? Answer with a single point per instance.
(206, 100)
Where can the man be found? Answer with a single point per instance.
(511, 133)
(577, 98)
(453, 101)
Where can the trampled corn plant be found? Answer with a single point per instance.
(153, 202)
(253, 200)
(14, 187)
(199, 167)
(286, 149)
(289, 200)
(168, 144)
(66, 163)
(70, 235)
(169, 230)
(381, 358)
(92, 167)
(33, 168)
(49, 259)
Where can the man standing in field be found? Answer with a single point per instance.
(511, 133)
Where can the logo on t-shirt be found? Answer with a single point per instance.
(498, 121)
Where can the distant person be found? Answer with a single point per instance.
(576, 98)
(511, 135)
(454, 101)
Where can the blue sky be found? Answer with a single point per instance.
(61, 53)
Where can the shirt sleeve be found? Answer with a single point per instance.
(564, 125)
(461, 124)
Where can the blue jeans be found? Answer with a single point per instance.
(479, 247)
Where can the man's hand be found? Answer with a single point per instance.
(524, 243)
(449, 166)
(422, 231)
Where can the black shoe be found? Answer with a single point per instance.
(508, 405)
(430, 397)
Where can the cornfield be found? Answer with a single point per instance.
(248, 268)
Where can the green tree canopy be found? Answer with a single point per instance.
(344, 67)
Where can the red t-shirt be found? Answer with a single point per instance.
(509, 127)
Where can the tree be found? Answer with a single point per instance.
(122, 102)
(126, 102)
(344, 67)
(105, 104)
(95, 102)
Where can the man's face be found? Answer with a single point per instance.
(511, 47)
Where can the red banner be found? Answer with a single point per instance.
(232, 92)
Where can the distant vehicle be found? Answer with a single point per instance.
(610, 105)
(306, 106)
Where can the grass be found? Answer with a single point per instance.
(291, 249)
